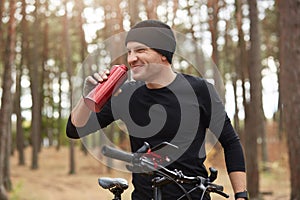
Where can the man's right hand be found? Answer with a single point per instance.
(91, 81)
(81, 113)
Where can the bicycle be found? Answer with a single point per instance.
(147, 161)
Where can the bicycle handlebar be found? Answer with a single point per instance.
(142, 161)
(117, 154)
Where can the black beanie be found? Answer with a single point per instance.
(156, 35)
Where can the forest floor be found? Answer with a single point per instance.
(52, 181)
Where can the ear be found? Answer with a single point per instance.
(164, 58)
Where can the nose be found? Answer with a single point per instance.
(131, 58)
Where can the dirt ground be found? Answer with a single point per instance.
(52, 181)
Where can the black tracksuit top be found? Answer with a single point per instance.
(180, 114)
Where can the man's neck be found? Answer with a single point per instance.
(165, 79)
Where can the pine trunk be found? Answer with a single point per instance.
(1, 23)
(7, 104)
(213, 7)
(290, 87)
(240, 65)
(254, 122)
(24, 48)
(35, 74)
(69, 68)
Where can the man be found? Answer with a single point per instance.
(163, 105)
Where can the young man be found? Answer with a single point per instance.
(162, 105)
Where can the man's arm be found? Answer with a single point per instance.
(238, 182)
(78, 119)
(80, 114)
(234, 156)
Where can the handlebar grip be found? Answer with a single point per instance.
(219, 187)
(117, 154)
(216, 187)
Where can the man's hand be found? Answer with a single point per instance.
(91, 81)
(80, 113)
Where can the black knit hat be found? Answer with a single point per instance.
(156, 35)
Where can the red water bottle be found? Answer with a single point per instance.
(96, 99)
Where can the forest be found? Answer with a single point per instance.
(249, 49)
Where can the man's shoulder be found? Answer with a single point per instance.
(192, 77)
(195, 81)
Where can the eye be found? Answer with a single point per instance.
(140, 50)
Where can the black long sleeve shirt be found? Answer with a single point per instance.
(180, 114)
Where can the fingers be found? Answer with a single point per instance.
(101, 76)
(92, 80)
(98, 77)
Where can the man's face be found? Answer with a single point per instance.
(145, 63)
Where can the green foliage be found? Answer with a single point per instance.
(15, 193)
(53, 129)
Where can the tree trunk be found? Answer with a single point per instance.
(83, 45)
(240, 65)
(45, 79)
(19, 131)
(151, 8)
(175, 8)
(213, 7)
(35, 92)
(1, 29)
(290, 87)
(133, 7)
(197, 56)
(83, 48)
(254, 122)
(6, 173)
(6, 105)
(68, 65)
(24, 48)
(72, 169)
(59, 125)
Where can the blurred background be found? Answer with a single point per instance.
(254, 46)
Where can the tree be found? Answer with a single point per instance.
(240, 65)
(69, 68)
(214, 7)
(7, 103)
(35, 80)
(254, 121)
(290, 87)
(83, 46)
(133, 10)
(24, 49)
(151, 7)
(45, 82)
(1, 29)
(79, 7)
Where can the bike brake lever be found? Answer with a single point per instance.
(221, 193)
(133, 168)
(144, 148)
